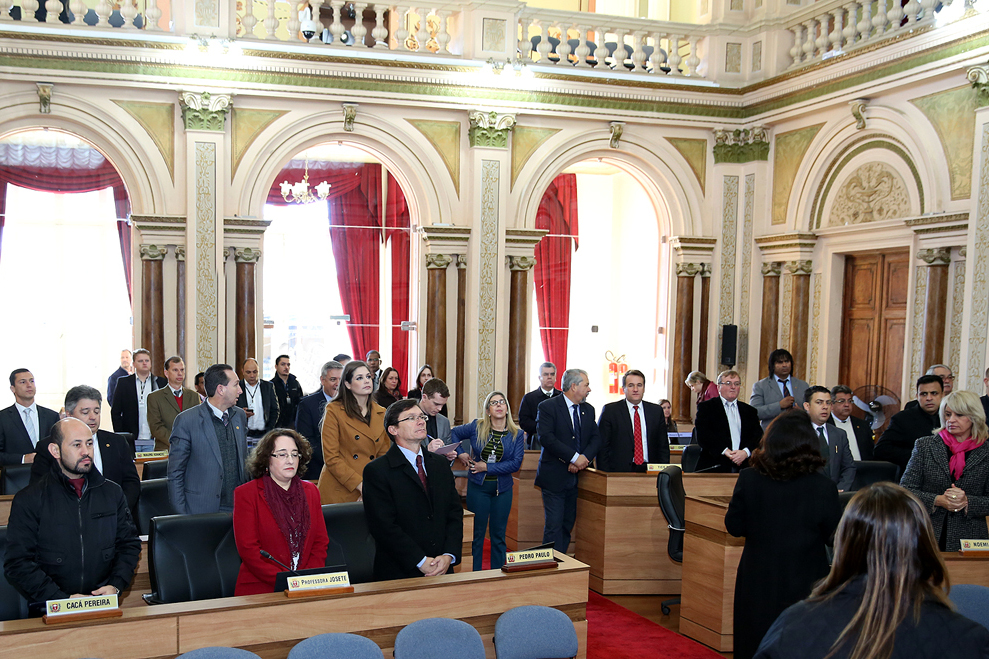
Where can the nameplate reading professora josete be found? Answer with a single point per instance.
(319, 581)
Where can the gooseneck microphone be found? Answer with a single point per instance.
(271, 558)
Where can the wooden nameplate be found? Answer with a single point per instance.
(86, 615)
(523, 567)
(313, 592)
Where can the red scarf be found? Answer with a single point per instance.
(958, 451)
(291, 512)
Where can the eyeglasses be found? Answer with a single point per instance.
(420, 417)
(285, 455)
(497, 403)
(733, 385)
(948, 378)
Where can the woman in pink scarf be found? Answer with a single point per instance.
(949, 471)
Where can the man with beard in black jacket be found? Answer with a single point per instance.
(288, 391)
(70, 534)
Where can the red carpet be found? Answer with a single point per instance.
(614, 632)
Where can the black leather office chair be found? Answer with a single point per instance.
(12, 605)
(672, 498)
(155, 469)
(15, 478)
(691, 455)
(154, 502)
(868, 472)
(192, 557)
(350, 540)
(129, 437)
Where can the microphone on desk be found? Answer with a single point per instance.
(265, 554)
(701, 471)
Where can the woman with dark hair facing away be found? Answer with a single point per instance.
(787, 510)
(886, 594)
(353, 435)
(277, 512)
(492, 449)
(671, 425)
(389, 388)
(949, 471)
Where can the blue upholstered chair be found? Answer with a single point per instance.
(535, 632)
(218, 653)
(972, 602)
(439, 638)
(333, 646)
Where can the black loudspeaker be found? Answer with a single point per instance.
(729, 340)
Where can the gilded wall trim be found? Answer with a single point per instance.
(695, 153)
(445, 138)
(729, 238)
(980, 274)
(789, 151)
(245, 127)
(815, 328)
(158, 120)
(917, 367)
(748, 212)
(207, 288)
(488, 278)
(785, 305)
(951, 114)
(957, 310)
(525, 141)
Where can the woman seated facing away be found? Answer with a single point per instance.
(389, 388)
(886, 594)
(277, 512)
(787, 510)
(492, 448)
(671, 425)
(700, 385)
(949, 472)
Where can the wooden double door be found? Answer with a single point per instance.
(874, 319)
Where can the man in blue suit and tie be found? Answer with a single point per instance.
(208, 448)
(569, 435)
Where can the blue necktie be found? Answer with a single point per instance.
(576, 423)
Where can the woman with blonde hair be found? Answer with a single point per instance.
(492, 448)
(700, 385)
(949, 471)
(886, 594)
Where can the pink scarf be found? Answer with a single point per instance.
(958, 451)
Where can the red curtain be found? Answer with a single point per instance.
(557, 214)
(397, 233)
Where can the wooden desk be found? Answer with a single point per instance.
(622, 534)
(5, 502)
(525, 522)
(271, 624)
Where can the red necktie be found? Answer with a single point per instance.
(178, 400)
(637, 436)
(422, 473)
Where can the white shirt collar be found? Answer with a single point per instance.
(217, 412)
(20, 408)
(728, 403)
(548, 392)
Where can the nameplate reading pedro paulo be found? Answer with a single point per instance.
(90, 607)
(319, 582)
(975, 545)
(656, 467)
(529, 559)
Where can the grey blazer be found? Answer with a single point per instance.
(195, 467)
(442, 429)
(766, 397)
(927, 475)
(840, 467)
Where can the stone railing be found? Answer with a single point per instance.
(131, 15)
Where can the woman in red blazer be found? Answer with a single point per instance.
(277, 512)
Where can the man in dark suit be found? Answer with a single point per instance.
(126, 368)
(833, 440)
(166, 403)
(570, 438)
(907, 426)
(288, 391)
(778, 392)
(728, 430)
(113, 455)
(633, 431)
(129, 410)
(947, 378)
(528, 408)
(25, 423)
(841, 416)
(309, 416)
(373, 361)
(985, 399)
(208, 450)
(258, 399)
(411, 503)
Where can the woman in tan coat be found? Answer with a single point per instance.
(353, 435)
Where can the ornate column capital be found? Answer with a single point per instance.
(489, 128)
(935, 255)
(180, 253)
(438, 261)
(772, 269)
(461, 261)
(689, 269)
(979, 77)
(520, 263)
(705, 270)
(153, 252)
(741, 145)
(798, 267)
(204, 110)
(246, 255)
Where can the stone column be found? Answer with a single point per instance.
(683, 339)
(458, 412)
(436, 265)
(769, 328)
(518, 326)
(153, 303)
(246, 344)
(799, 311)
(935, 304)
(180, 301)
(705, 318)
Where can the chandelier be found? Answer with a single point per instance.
(300, 193)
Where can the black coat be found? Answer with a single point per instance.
(905, 428)
(809, 629)
(864, 438)
(268, 400)
(555, 427)
(289, 394)
(714, 434)
(617, 445)
(408, 523)
(124, 413)
(118, 464)
(786, 525)
(59, 545)
(309, 423)
(528, 409)
(14, 440)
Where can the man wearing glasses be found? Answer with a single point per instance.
(411, 503)
(728, 430)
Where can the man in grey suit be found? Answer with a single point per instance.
(435, 393)
(208, 448)
(780, 391)
(834, 442)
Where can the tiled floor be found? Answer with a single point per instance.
(648, 606)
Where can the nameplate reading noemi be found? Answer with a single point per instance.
(530, 556)
(73, 605)
(319, 581)
(656, 467)
(975, 545)
(150, 455)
